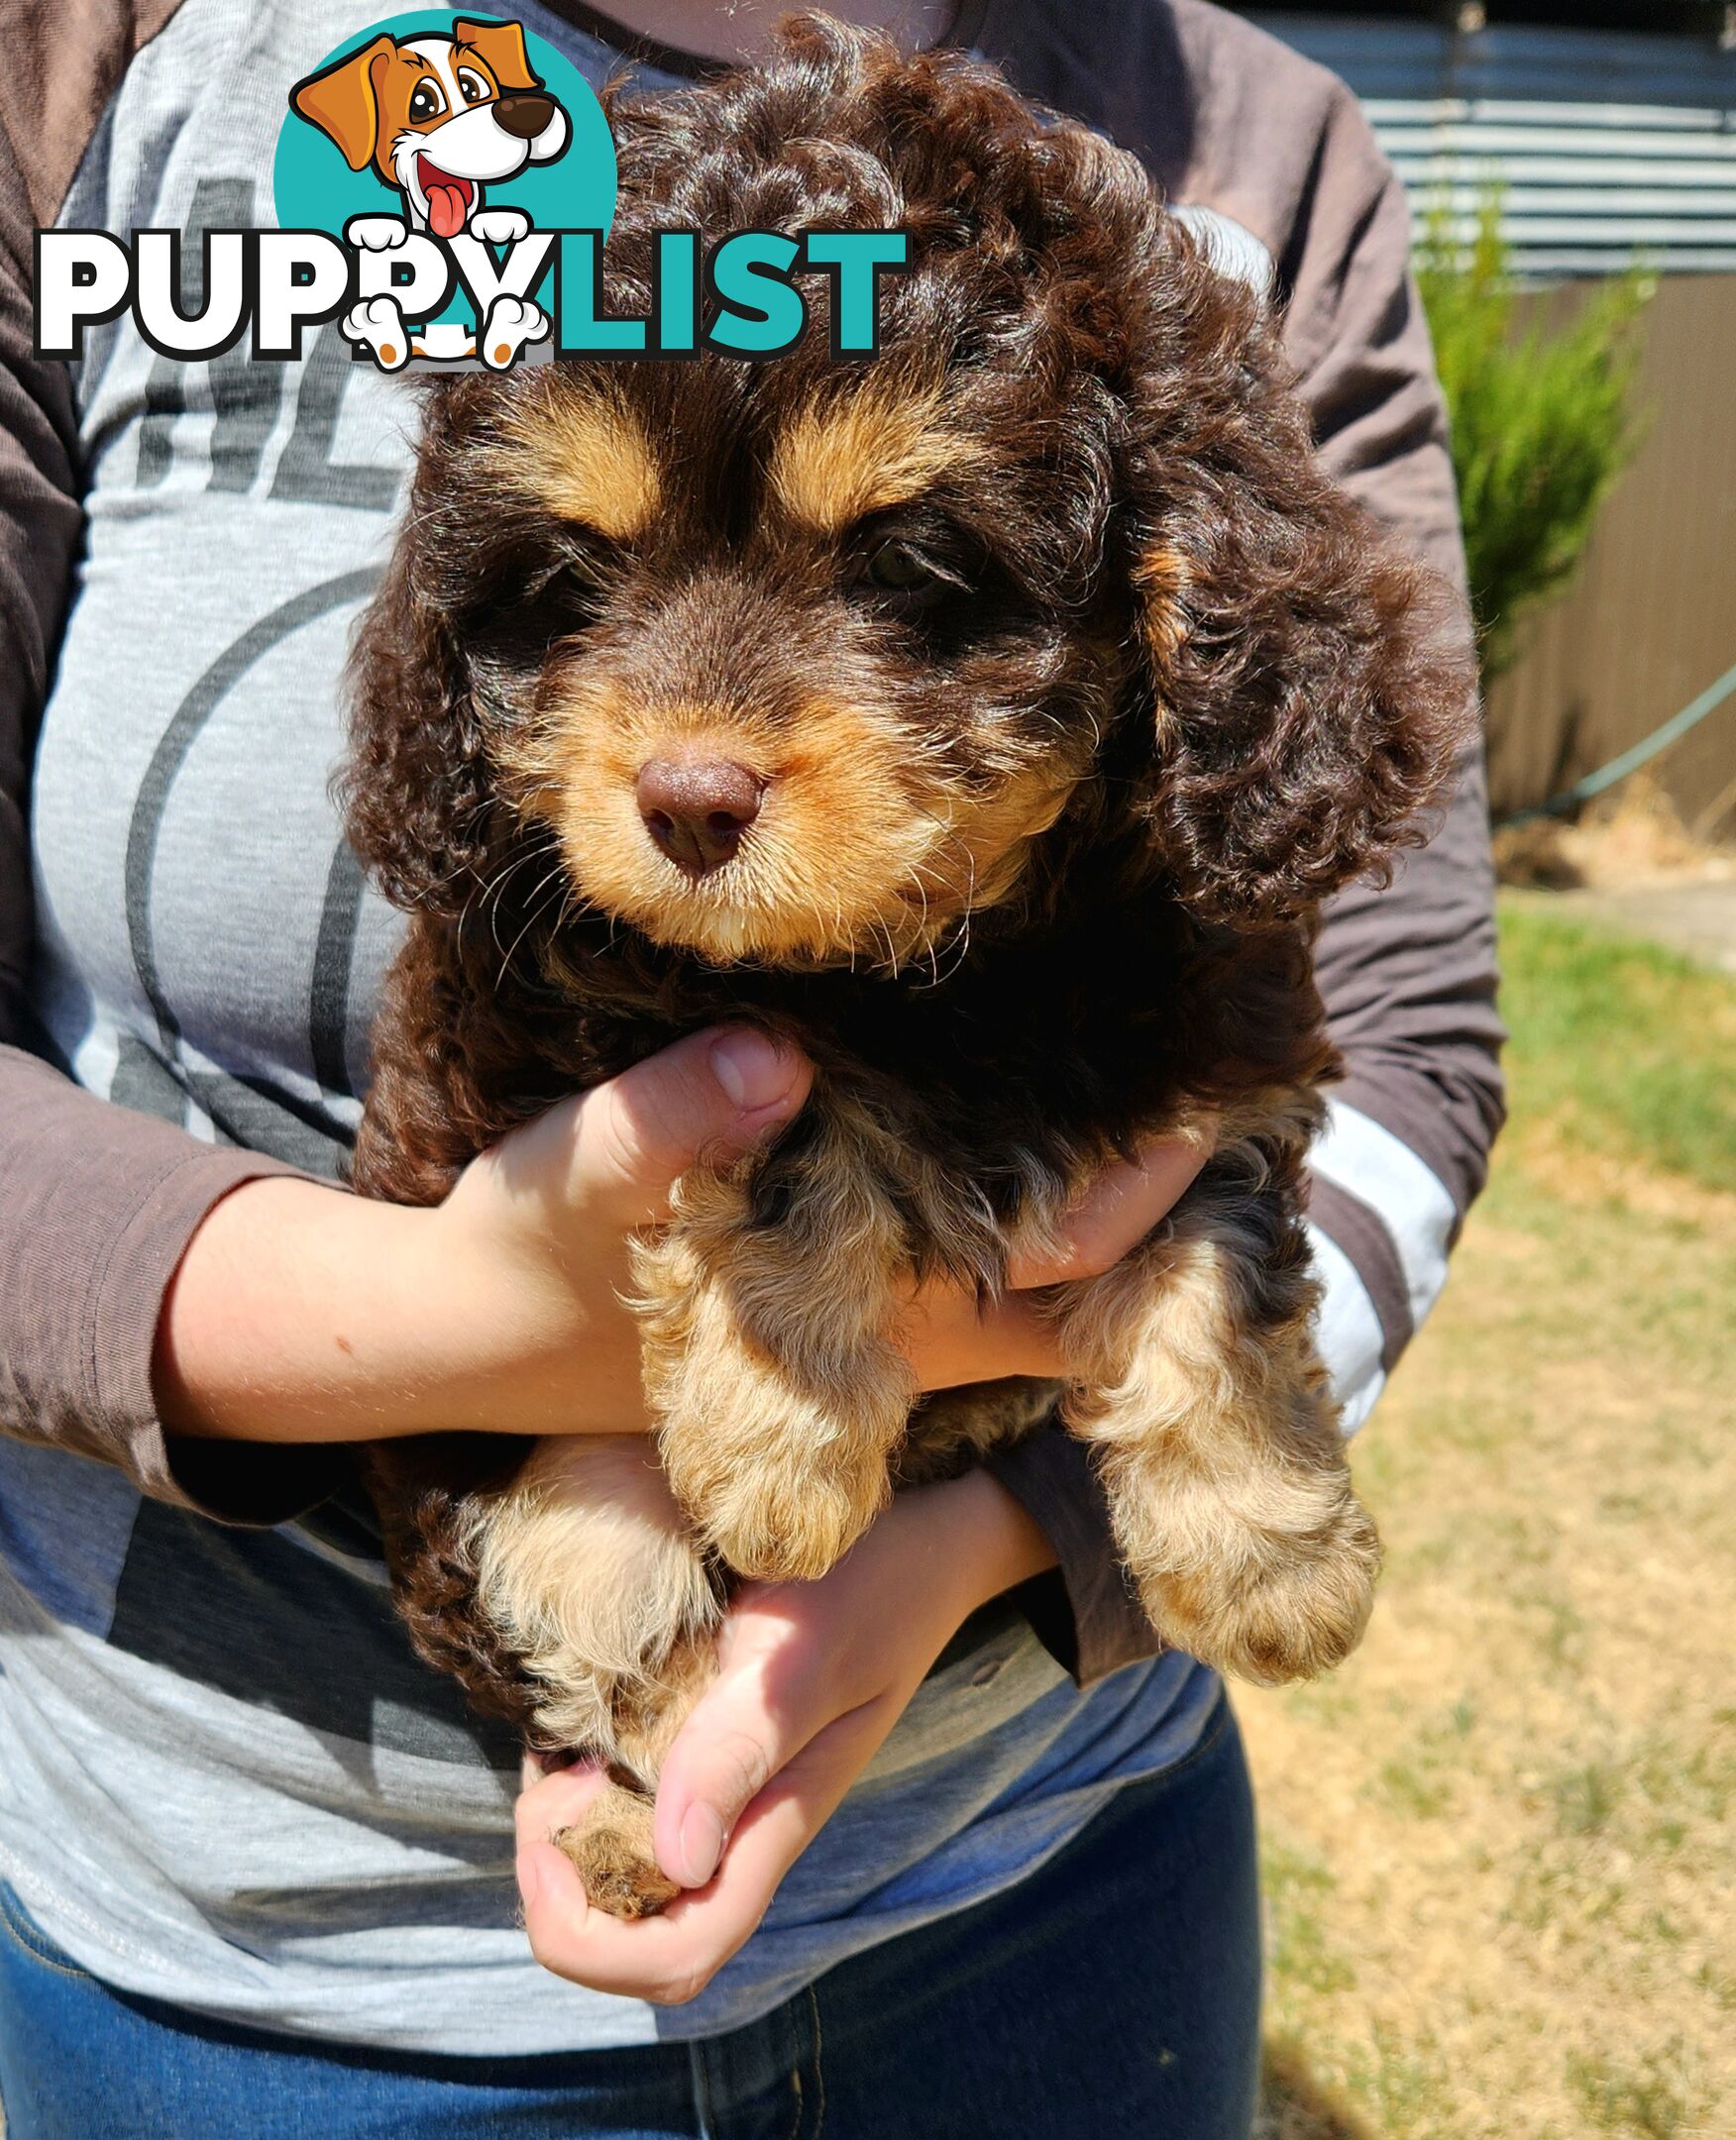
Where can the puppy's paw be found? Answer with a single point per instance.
(376, 233)
(380, 325)
(784, 1488)
(588, 1571)
(499, 225)
(511, 324)
(794, 1530)
(611, 1848)
(1284, 1608)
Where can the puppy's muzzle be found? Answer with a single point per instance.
(698, 809)
(525, 114)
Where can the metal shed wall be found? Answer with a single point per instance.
(1611, 144)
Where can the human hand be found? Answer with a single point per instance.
(811, 1676)
(544, 1217)
(301, 1315)
(542, 1221)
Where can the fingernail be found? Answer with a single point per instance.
(752, 1070)
(700, 1845)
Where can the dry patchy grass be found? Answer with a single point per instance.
(1499, 1871)
(1633, 837)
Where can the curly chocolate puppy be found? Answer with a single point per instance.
(991, 719)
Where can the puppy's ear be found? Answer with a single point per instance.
(502, 46)
(1311, 682)
(416, 788)
(342, 102)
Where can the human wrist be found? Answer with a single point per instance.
(982, 1542)
(299, 1313)
(510, 1321)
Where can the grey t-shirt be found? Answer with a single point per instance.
(226, 1780)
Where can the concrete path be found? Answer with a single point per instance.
(1698, 920)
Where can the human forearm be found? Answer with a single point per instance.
(301, 1314)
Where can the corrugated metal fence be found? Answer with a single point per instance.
(1609, 143)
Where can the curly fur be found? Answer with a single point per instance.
(1036, 876)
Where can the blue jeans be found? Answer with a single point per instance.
(1114, 1991)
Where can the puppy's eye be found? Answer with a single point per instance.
(426, 102)
(906, 582)
(582, 576)
(917, 568)
(896, 567)
(475, 91)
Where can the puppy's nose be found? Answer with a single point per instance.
(524, 113)
(696, 809)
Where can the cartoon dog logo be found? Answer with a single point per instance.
(437, 117)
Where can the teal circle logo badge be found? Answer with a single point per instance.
(448, 150)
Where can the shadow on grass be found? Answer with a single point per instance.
(1294, 2106)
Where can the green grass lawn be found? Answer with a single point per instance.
(1498, 1853)
(1628, 1048)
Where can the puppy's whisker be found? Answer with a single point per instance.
(503, 878)
(490, 890)
(546, 888)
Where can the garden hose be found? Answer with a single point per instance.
(1631, 760)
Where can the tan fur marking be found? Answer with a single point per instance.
(780, 1398)
(588, 461)
(842, 458)
(586, 1569)
(1222, 1458)
(1161, 578)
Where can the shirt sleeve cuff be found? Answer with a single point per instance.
(1086, 1612)
(1348, 1329)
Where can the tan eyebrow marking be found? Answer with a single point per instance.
(588, 461)
(841, 457)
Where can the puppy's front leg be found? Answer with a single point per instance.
(765, 1305)
(1197, 1378)
(585, 1569)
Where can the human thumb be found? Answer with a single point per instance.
(715, 1094)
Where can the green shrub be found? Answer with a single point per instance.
(1540, 410)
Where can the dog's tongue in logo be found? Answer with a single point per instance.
(449, 198)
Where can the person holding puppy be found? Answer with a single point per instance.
(964, 1851)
